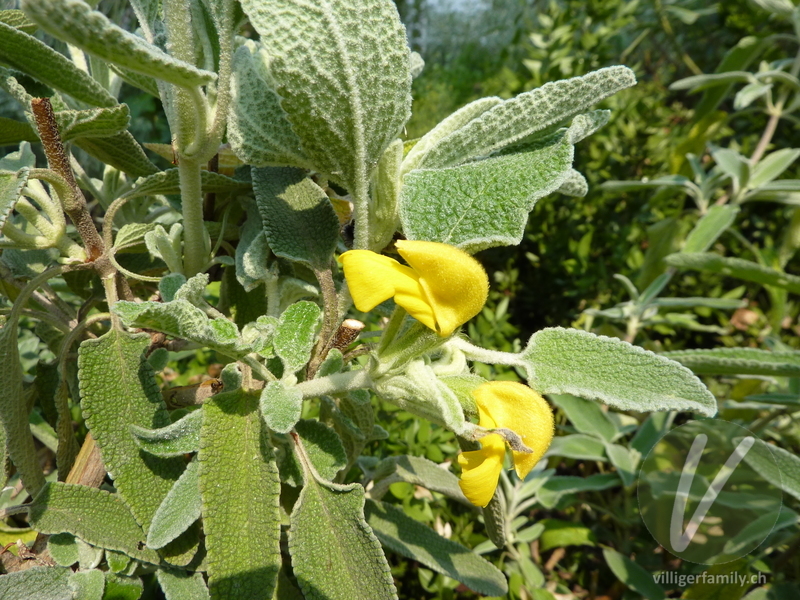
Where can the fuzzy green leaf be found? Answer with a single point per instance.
(781, 469)
(27, 54)
(734, 267)
(555, 488)
(632, 575)
(95, 516)
(586, 416)
(168, 182)
(118, 389)
(451, 124)
(281, 406)
(180, 508)
(418, 471)
(258, 128)
(181, 319)
(324, 449)
(298, 218)
(11, 185)
(120, 587)
(14, 412)
(345, 83)
(335, 554)
(179, 438)
(579, 446)
(94, 122)
(412, 539)
(527, 115)
(74, 22)
(18, 20)
(48, 582)
(712, 225)
(485, 203)
(88, 585)
(571, 361)
(241, 519)
(739, 361)
(63, 547)
(180, 585)
(386, 184)
(296, 333)
(120, 151)
(14, 132)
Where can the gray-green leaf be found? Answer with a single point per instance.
(345, 82)
(296, 333)
(739, 361)
(735, 267)
(525, 116)
(710, 227)
(414, 540)
(241, 518)
(298, 218)
(77, 24)
(571, 361)
(180, 508)
(180, 585)
(179, 438)
(50, 584)
(118, 389)
(95, 516)
(335, 554)
(281, 406)
(27, 54)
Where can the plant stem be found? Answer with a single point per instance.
(392, 327)
(361, 213)
(335, 384)
(492, 357)
(194, 248)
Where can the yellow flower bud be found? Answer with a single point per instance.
(443, 287)
(508, 405)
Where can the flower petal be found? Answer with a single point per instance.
(517, 407)
(481, 469)
(374, 278)
(455, 283)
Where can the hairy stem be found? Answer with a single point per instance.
(335, 384)
(194, 247)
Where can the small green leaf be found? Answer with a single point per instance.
(712, 225)
(523, 117)
(11, 186)
(586, 416)
(118, 389)
(95, 516)
(578, 446)
(76, 23)
(180, 585)
(63, 548)
(298, 218)
(386, 184)
(241, 519)
(739, 361)
(179, 438)
(296, 334)
(27, 54)
(632, 575)
(412, 539)
(323, 447)
(18, 20)
(88, 585)
(281, 406)
(120, 587)
(49, 583)
(335, 554)
(574, 185)
(559, 534)
(555, 488)
(624, 460)
(180, 508)
(773, 165)
(571, 361)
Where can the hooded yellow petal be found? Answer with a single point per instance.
(374, 278)
(481, 469)
(455, 283)
(517, 407)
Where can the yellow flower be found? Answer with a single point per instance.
(509, 405)
(443, 287)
